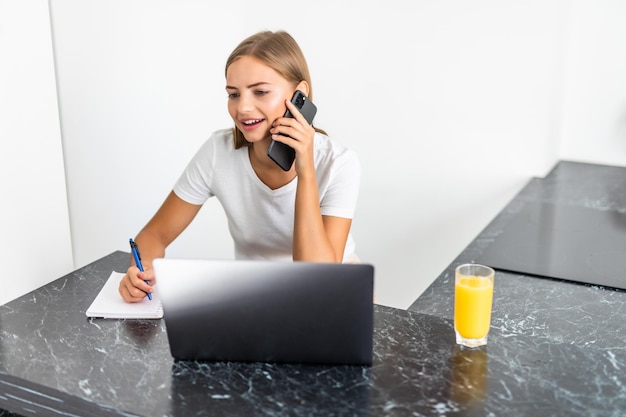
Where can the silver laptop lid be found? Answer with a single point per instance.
(262, 311)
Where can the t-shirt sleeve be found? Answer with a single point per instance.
(340, 196)
(194, 184)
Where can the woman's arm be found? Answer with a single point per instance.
(170, 220)
(316, 238)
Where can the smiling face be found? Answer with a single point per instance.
(256, 97)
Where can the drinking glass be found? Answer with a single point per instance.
(473, 297)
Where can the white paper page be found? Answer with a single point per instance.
(109, 304)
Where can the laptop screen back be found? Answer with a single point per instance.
(261, 311)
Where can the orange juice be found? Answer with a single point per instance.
(472, 306)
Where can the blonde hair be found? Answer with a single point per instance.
(279, 51)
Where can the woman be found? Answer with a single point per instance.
(303, 214)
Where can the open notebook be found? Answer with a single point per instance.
(108, 304)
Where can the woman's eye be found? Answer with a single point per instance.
(233, 95)
(261, 92)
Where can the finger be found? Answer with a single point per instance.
(281, 125)
(130, 293)
(137, 279)
(284, 131)
(142, 286)
(287, 135)
(130, 298)
(147, 275)
(292, 130)
(296, 113)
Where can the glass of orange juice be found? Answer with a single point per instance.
(473, 297)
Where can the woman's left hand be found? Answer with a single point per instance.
(300, 136)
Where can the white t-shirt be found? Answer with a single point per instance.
(260, 219)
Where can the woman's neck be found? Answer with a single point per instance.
(267, 170)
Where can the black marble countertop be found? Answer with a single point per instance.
(53, 358)
(555, 348)
(576, 331)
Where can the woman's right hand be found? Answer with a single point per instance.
(132, 287)
(169, 221)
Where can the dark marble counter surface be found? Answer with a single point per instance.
(563, 311)
(555, 349)
(55, 361)
(586, 323)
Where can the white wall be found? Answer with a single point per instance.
(35, 242)
(452, 107)
(593, 122)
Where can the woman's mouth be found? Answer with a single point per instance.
(250, 124)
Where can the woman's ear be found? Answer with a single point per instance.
(304, 87)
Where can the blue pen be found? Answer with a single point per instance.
(135, 249)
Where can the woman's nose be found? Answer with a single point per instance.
(245, 103)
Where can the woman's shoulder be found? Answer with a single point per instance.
(220, 140)
(327, 148)
(223, 137)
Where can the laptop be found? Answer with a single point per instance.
(264, 311)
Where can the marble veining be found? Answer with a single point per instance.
(48, 348)
(566, 312)
(555, 349)
(560, 342)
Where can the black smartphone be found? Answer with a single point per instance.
(282, 154)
